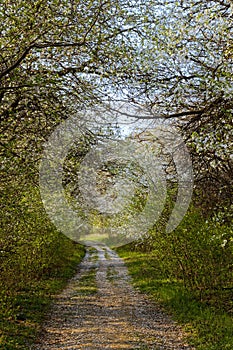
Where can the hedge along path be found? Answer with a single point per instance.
(100, 309)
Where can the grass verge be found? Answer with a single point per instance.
(207, 328)
(22, 312)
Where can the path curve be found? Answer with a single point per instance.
(115, 316)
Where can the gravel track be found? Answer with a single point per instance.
(114, 316)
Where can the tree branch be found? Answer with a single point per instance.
(37, 46)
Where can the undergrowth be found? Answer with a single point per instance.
(207, 327)
(23, 310)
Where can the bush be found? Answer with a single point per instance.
(199, 252)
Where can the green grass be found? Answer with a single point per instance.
(87, 283)
(93, 254)
(22, 313)
(207, 327)
(111, 274)
(106, 255)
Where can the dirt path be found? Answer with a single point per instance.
(99, 309)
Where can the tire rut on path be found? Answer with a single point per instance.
(115, 316)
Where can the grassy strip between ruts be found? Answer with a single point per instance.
(87, 282)
(20, 322)
(207, 328)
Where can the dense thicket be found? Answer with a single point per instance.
(56, 57)
(191, 84)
